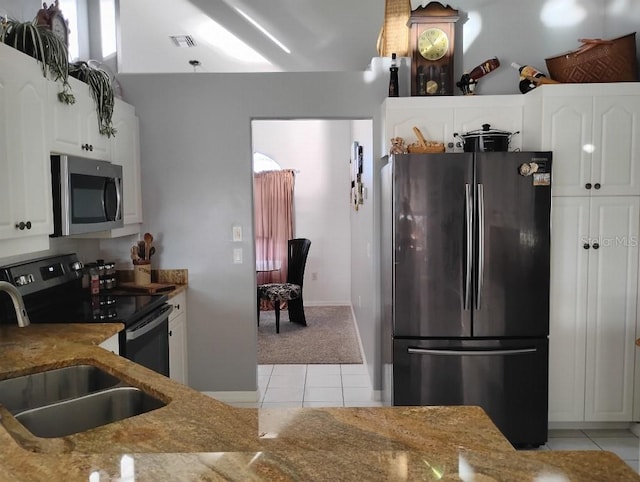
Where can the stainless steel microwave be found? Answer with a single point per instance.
(87, 195)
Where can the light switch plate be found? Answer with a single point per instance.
(237, 233)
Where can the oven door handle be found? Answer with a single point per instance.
(158, 319)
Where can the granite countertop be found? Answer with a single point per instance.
(195, 437)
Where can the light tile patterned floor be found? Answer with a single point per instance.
(314, 386)
(350, 386)
(621, 442)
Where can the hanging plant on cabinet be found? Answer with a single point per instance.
(101, 90)
(43, 45)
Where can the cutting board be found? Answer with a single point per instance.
(150, 288)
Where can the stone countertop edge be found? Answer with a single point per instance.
(195, 437)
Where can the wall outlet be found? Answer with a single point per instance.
(237, 256)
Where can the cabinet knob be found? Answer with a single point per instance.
(588, 185)
(597, 185)
(177, 306)
(596, 245)
(170, 333)
(586, 246)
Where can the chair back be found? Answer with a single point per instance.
(297, 258)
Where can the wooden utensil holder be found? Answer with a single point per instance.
(142, 273)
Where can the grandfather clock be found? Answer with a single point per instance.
(431, 45)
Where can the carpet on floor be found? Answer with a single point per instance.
(329, 337)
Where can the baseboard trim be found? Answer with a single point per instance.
(590, 425)
(327, 303)
(230, 396)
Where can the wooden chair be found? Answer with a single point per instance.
(291, 291)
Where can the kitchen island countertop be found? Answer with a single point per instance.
(195, 437)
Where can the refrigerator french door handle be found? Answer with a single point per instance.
(480, 244)
(469, 245)
(445, 352)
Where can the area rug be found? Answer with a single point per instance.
(329, 337)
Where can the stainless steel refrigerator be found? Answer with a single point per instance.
(465, 278)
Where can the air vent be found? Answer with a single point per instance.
(183, 40)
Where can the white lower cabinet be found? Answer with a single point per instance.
(178, 360)
(594, 269)
(112, 344)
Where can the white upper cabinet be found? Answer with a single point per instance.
(616, 134)
(74, 128)
(26, 216)
(439, 118)
(125, 150)
(593, 131)
(34, 124)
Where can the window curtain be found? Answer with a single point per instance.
(274, 226)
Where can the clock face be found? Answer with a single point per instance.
(433, 44)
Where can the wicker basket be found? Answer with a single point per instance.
(432, 147)
(597, 61)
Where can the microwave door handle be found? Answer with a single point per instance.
(118, 182)
(117, 186)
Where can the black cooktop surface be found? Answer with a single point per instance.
(103, 308)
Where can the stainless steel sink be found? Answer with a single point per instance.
(64, 401)
(43, 388)
(87, 412)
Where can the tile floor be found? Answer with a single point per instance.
(349, 386)
(621, 442)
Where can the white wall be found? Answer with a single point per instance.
(364, 251)
(319, 151)
(195, 136)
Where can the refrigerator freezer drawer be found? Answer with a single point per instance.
(507, 378)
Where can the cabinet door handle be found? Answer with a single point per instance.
(22, 225)
(597, 185)
(586, 246)
(170, 333)
(588, 185)
(596, 245)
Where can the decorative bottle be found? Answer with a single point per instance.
(393, 77)
(528, 76)
(484, 68)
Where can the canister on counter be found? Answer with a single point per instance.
(142, 272)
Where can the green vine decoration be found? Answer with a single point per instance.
(101, 90)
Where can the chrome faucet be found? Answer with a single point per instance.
(18, 303)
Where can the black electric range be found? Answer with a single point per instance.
(52, 291)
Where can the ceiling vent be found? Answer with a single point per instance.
(183, 40)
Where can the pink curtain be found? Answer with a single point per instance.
(273, 198)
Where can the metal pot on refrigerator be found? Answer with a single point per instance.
(485, 139)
